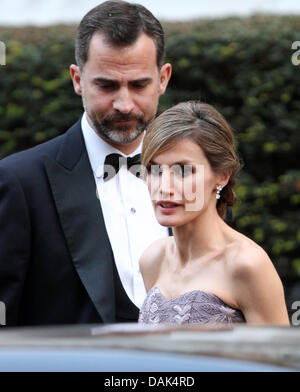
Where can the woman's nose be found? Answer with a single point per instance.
(166, 185)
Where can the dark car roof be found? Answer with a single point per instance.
(134, 347)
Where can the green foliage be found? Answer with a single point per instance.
(241, 66)
(37, 100)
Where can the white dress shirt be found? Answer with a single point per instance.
(128, 213)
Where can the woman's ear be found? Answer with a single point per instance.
(224, 178)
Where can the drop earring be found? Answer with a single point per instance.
(218, 195)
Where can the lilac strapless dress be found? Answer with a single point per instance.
(193, 307)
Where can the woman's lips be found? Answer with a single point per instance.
(167, 207)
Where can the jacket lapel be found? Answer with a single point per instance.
(74, 191)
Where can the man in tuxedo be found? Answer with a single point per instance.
(71, 236)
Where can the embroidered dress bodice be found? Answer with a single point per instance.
(193, 307)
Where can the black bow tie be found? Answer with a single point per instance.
(113, 162)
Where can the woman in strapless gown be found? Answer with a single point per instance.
(193, 307)
(206, 272)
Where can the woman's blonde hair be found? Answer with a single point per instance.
(207, 127)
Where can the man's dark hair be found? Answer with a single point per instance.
(121, 23)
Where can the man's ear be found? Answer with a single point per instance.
(165, 74)
(76, 78)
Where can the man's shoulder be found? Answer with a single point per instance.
(30, 161)
(32, 158)
(33, 152)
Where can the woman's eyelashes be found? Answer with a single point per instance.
(177, 169)
(182, 170)
(154, 170)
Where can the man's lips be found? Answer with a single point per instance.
(121, 119)
(123, 122)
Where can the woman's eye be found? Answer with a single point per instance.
(182, 170)
(154, 170)
(187, 170)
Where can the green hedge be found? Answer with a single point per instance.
(241, 66)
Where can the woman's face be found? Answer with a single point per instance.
(181, 183)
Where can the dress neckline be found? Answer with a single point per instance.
(191, 292)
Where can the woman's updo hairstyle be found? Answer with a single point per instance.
(207, 127)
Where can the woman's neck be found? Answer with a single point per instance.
(204, 236)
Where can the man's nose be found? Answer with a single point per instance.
(123, 102)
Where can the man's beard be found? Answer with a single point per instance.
(121, 134)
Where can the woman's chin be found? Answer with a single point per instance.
(168, 221)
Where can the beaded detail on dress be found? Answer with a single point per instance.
(193, 307)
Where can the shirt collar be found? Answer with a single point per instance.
(97, 148)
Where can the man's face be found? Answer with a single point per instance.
(120, 87)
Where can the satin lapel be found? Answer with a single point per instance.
(74, 191)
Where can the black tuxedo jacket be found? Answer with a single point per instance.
(56, 262)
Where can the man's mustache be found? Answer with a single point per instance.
(122, 117)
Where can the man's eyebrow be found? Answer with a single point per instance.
(104, 80)
(142, 80)
(114, 81)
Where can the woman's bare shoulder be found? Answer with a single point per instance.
(151, 261)
(250, 258)
(258, 289)
(252, 270)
